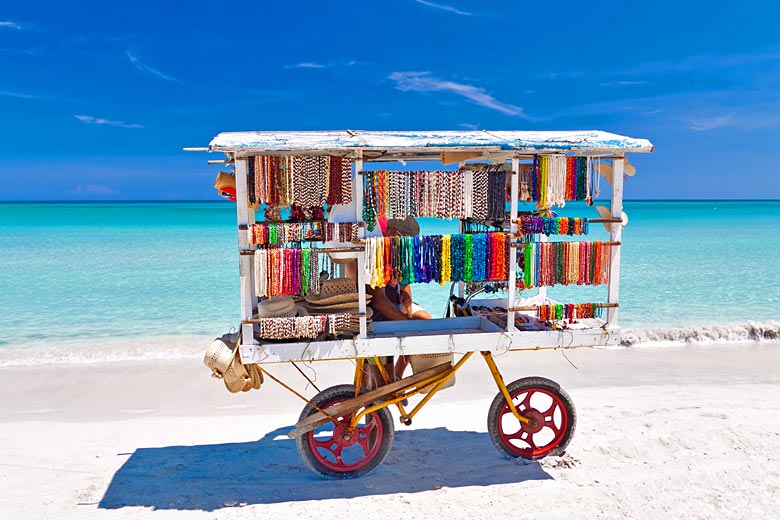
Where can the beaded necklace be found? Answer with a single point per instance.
(580, 190)
(496, 194)
(565, 263)
(468, 257)
(369, 199)
(446, 259)
(417, 259)
(390, 258)
(569, 312)
(525, 182)
(480, 204)
(381, 192)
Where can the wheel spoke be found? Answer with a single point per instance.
(363, 441)
(554, 427)
(369, 426)
(551, 409)
(329, 447)
(337, 454)
(519, 435)
(526, 402)
(323, 444)
(364, 435)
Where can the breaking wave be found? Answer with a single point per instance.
(179, 347)
(701, 335)
(104, 351)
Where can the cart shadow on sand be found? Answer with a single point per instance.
(267, 471)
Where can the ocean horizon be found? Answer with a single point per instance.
(100, 280)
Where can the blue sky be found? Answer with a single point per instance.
(97, 102)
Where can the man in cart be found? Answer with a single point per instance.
(390, 303)
(393, 302)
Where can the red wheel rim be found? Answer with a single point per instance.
(331, 449)
(549, 412)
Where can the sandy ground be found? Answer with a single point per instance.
(662, 433)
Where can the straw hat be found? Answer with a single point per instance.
(341, 308)
(224, 361)
(335, 291)
(279, 307)
(226, 185)
(406, 227)
(606, 213)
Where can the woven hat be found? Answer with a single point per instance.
(226, 185)
(224, 361)
(341, 308)
(277, 307)
(337, 290)
(406, 227)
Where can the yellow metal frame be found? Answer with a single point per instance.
(432, 384)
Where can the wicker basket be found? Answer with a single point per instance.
(421, 362)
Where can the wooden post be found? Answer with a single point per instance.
(513, 195)
(614, 235)
(357, 196)
(245, 262)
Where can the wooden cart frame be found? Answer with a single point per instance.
(461, 335)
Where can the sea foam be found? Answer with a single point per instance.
(190, 347)
(701, 335)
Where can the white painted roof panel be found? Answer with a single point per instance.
(594, 141)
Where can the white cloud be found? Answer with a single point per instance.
(703, 124)
(11, 25)
(443, 7)
(469, 126)
(100, 121)
(308, 65)
(424, 82)
(622, 83)
(149, 70)
(315, 65)
(94, 189)
(19, 95)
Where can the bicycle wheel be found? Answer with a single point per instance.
(332, 450)
(547, 405)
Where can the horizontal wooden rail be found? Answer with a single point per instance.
(590, 220)
(521, 244)
(315, 249)
(353, 317)
(534, 307)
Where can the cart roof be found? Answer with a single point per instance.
(425, 145)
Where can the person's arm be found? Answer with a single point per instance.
(406, 305)
(381, 304)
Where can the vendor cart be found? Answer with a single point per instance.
(501, 186)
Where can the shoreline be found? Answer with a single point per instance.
(178, 347)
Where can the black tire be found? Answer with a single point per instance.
(370, 444)
(555, 425)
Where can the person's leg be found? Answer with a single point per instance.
(400, 367)
(350, 270)
(372, 376)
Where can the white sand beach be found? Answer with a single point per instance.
(690, 432)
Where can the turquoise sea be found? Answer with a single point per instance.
(94, 281)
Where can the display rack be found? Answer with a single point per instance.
(460, 334)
